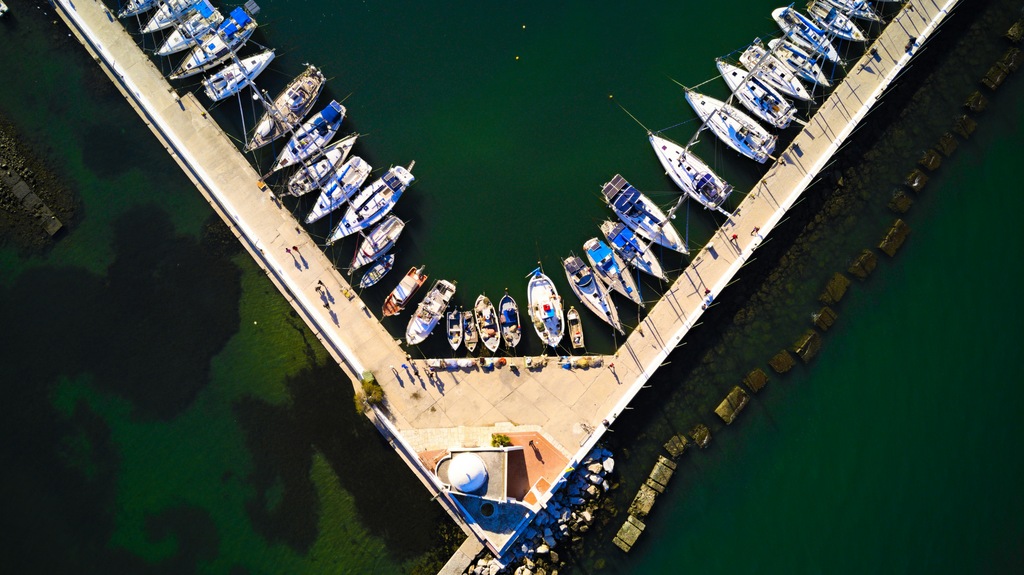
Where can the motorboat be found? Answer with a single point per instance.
(589, 289)
(454, 328)
(802, 62)
(690, 173)
(429, 312)
(632, 249)
(232, 78)
(377, 271)
(378, 242)
(758, 96)
(508, 314)
(313, 175)
(575, 328)
(856, 9)
(831, 19)
(288, 108)
(340, 186)
(310, 139)
(217, 45)
(168, 14)
(403, 292)
(135, 7)
(204, 19)
(768, 68)
(487, 323)
(373, 202)
(545, 308)
(470, 335)
(736, 129)
(804, 32)
(641, 214)
(611, 270)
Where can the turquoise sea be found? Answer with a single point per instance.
(164, 411)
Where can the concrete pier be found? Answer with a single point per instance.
(564, 412)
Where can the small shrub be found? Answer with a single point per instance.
(500, 440)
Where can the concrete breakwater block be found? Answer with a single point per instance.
(863, 265)
(900, 202)
(964, 126)
(825, 317)
(660, 475)
(808, 345)
(732, 405)
(1012, 59)
(756, 380)
(930, 160)
(947, 144)
(782, 362)
(629, 533)
(916, 180)
(835, 289)
(976, 102)
(995, 76)
(676, 446)
(1016, 32)
(643, 502)
(701, 435)
(894, 238)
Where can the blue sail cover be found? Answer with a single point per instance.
(241, 16)
(205, 9)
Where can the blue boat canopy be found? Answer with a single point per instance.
(205, 9)
(241, 16)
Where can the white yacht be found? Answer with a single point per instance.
(802, 62)
(310, 139)
(168, 14)
(611, 270)
(378, 242)
(374, 202)
(430, 310)
(738, 130)
(631, 249)
(770, 69)
(590, 291)
(545, 308)
(198, 24)
(690, 173)
(312, 176)
(340, 186)
(233, 78)
(641, 214)
(802, 31)
(758, 96)
(289, 108)
(135, 7)
(831, 19)
(218, 45)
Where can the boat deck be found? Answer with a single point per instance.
(569, 408)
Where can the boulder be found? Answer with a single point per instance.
(835, 289)
(894, 238)
(807, 346)
(863, 265)
(676, 446)
(543, 550)
(782, 362)
(593, 491)
(756, 380)
(554, 556)
(494, 568)
(595, 479)
(731, 406)
(586, 516)
(595, 468)
(608, 464)
(824, 319)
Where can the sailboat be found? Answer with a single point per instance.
(508, 311)
(169, 12)
(768, 68)
(856, 9)
(575, 328)
(830, 18)
(545, 307)
(198, 24)
(690, 173)
(736, 129)
(632, 249)
(135, 7)
(758, 96)
(373, 202)
(314, 175)
(804, 32)
(378, 242)
(377, 271)
(454, 325)
(232, 78)
(641, 214)
(218, 45)
(487, 323)
(403, 292)
(289, 108)
(429, 312)
(312, 137)
(590, 291)
(340, 186)
(611, 270)
(802, 62)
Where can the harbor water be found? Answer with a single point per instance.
(166, 411)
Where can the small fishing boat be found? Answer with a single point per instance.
(690, 173)
(856, 9)
(204, 19)
(232, 78)
(641, 214)
(378, 242)
(590, 291)
(377, 272)
(575, 328)
(429, 312)
(373, 202)
(403, 292)
(508, 312)
(313, 175)
(736, 129)
(470, 335)
(340, 186)
(545, 308)
(134, 7)
(611, 270)
(312, 137)
(756, 95)
(804, 32)
(289, 108)
(3, 8)
(831, 19)
(773, 71)
(632, 249)
(168, 14)
(217, 45)
(487, 323)
(803, 63)
(454, 321)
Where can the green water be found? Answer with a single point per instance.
(165, 411)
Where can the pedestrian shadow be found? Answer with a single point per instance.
(305, 264)
(334, 318)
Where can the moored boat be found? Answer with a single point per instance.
(831, 19)
(470, 335)
(217, 45)
(429, 312)
(641, 214)
(378, 242)
(312, 137)
(856, 9)
(487, 323)
(313, 175)
(690, 173)
(611, 270)
(736, 129)
(403, 292)
(340, 186)
(632, 249)
(803, 63)
(773, 71)
(373, 202)
(758, 96)
(188, 33)
(804, 32)
(168, 14)
(288, 108)
(508, 312)
(377, 271)
(575, 328)
(232, 78)
(134, 7)
(590, 291)
(454, 325)
(545, 308)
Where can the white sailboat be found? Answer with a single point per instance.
(340, 186)
(736, 129)
(804, 32)
(758, 96)
(312, 176)
(641, 214)
(632, 249)
(288, 108)
(803, 63)
(378, 242)
(690, 173)
(233, 78)
(218, 45)
(770, 69)
(135, 7)
(856, 9)
(611, 270)
(373, 202)
(312, 137)
(198, 24)
(168, 14)
(830, 18)
(590, 291)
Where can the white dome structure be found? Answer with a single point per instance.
(467, 472)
